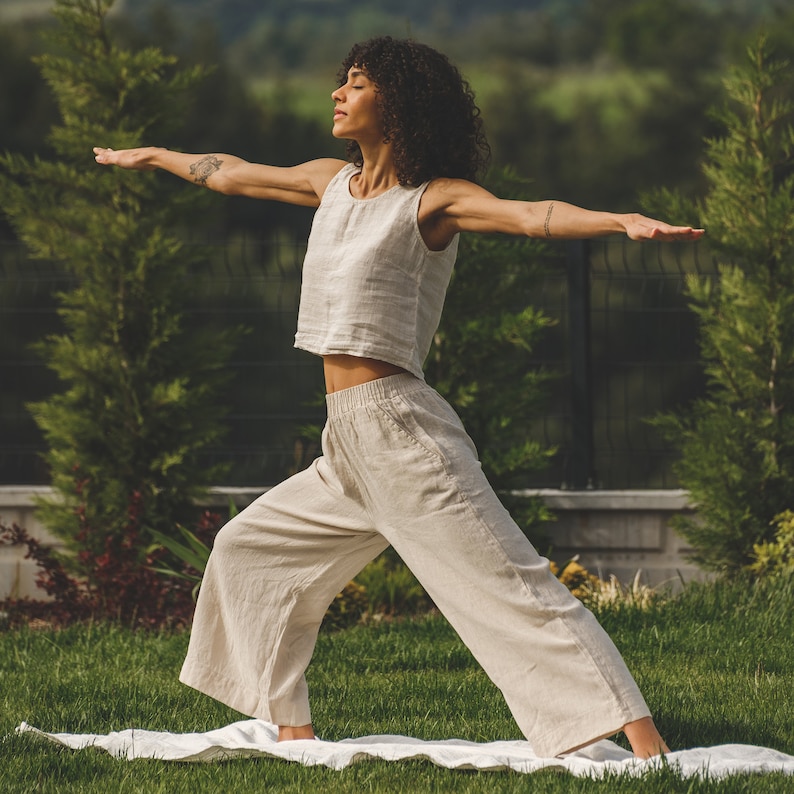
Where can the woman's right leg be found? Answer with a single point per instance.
(273, 571)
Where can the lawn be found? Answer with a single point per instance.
(715, 664)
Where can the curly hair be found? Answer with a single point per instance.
(428, 110)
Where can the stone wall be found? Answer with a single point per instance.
(621, 533)
(612, 532)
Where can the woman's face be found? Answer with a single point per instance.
(357, 113)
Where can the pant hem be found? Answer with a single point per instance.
(588, 729)
(246, 702)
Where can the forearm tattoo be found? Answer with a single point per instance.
(548, 218)
(203, 169)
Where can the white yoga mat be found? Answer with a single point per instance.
(258, 738)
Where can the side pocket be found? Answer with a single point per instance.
(403, 428)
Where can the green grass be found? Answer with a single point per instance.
(715, 665)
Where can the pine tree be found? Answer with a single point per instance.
(737, 443)
(140, 387)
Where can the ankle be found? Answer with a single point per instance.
(289, 732)
(645, 739)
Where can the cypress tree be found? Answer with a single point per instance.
(139, 404)
(737, 443)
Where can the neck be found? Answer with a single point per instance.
(378, 173)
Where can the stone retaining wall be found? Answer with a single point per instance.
(612, 532)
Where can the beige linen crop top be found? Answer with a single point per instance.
(371, 287)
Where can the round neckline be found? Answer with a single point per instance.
(371, 198)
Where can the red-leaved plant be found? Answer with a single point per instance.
(115, 584)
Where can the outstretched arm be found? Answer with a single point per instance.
(456, 206)
(301, 184)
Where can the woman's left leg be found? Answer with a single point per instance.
(422, 485)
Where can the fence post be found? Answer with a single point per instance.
(581, 469)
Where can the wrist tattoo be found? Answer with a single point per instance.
(548, 218)
(204, 168)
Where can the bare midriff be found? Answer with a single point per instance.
(344, 371)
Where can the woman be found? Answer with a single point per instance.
(397, 467)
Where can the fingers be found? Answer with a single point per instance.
(676, 233)
(131, 159)
(664, 232)
(102, 155)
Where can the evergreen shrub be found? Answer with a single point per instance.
(140, 402)
(737, 442)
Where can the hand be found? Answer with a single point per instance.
(133, 159)
(638, 227)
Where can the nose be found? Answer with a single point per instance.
(336, 95)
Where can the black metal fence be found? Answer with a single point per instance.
(630, 352)
(624, 348)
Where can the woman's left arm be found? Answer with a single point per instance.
(459, 206)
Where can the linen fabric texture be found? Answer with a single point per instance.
(398, 468)
(371, 287)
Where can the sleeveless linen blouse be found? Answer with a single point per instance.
(371, 287)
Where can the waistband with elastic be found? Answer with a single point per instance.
(341, 402)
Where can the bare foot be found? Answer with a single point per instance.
(645, 739)
(288, 732)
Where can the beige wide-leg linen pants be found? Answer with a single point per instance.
(398, 468)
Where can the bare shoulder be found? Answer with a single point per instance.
(450, 199)
(444, 193)
(320, 172)
(445, 189)
(457, 205)
(439, 208)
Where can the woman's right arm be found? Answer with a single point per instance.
(300, 184)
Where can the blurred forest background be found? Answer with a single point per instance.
(591, 101)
